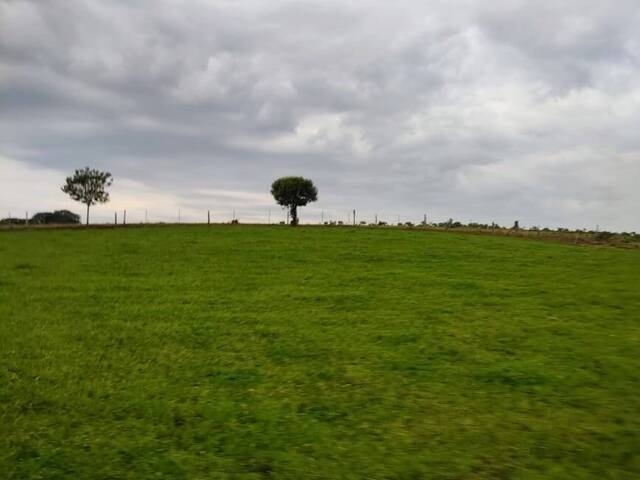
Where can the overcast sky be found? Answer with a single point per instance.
(483, 111)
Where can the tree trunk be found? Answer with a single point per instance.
(87, 214)
(294, 215)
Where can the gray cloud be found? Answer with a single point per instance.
(524, 110)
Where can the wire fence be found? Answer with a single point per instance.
(254, 216)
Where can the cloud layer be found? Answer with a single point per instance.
(523, 110)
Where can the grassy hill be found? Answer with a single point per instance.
(273, 352)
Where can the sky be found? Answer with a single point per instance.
(476, 111)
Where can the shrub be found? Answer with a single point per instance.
(58, 217)
(12, 221)
(479, 225)
(600, 236)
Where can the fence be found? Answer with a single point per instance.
(102, 216)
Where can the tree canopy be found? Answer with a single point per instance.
(294, 192)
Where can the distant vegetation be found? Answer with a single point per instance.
(58, 217)
(12, 221)
(559, 234)
(89, 186)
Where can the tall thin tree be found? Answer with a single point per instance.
(88, 186)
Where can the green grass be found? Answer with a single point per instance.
(273, 352)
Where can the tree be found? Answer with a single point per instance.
(294, 192)
(88, 186)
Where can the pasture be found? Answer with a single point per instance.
(248, 352)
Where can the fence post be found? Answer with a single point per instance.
(208, 217)
(354, 217)
(145, 216)
(124, 218)
(115, 218)
(26, 218)
(179, 215)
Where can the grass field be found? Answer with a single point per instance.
(275, 352)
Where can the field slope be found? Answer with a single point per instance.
(273, 352)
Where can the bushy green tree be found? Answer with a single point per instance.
(88, 186)
(294, 192)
